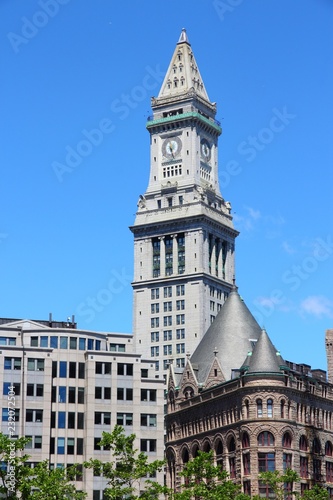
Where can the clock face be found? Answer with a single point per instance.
(205, 149)
(171, 147)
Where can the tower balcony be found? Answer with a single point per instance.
(193, 115)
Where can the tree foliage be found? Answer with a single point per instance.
(129, 471)
(204, 480)
(18, 480)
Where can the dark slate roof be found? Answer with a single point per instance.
(230, 335)
(265, 357)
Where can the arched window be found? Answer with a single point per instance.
(286, 440)
(171, 459)
(303, 443)
(259, 408)
(188, 392)
(316, 447)
(269, 408)
(328, 449)
(266, 439)
(246, 409)
(232, 445)
(195, 451)
(245, 440)
(206, 447)
(219, 453)
(185, 456)
(282, 405)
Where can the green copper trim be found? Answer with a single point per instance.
(192, 114)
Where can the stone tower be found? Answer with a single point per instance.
(184, 237)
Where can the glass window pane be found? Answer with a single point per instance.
(72, 342)
(62, 369)
(54, 342)
(63, 342)
(61, 446)
(61, 420)
(44, 341)
(82, 344)
(62, 394)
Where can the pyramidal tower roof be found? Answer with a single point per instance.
(265, 358)
(183, 73)
(230, 337)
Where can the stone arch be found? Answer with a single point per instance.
(316, 446)
(266, 438)
(171, 467)
(231, 442)
(206, 446)
(188, 391)
(195, 448)
(245, 439)
(184, 454)
(287, 439)
(303, 443)
(329, 449)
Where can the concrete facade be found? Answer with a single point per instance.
(69, 386)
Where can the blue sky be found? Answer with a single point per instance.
(76, 83)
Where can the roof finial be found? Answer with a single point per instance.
(183, 37)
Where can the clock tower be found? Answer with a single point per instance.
(184, 237)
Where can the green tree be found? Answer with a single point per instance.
(277, 481)
(19, 481)
(13, 471)
(316, 493)
(45, 483)
(204, 480)
(129, 471)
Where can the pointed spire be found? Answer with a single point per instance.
(231, 334)
(265, 357)
(183, 73)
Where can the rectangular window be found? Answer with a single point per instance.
(90, 344)
(155, 293)
(287, 457)
(180, 290)
(54, 342)
(144, 372)
(62, 394)
(34, 341)
(12, 363)
(180, 348)
(71, 420)
(180, 362)
(180, 305)
(167, 306)
(80, 420)
(71, 394)
(155, 308)
(167, 291)
(61, 419)
(102, 392)
(124, 419)
(167, 350)
(98, 344)
(80, 395)
(125, 369)
(148, 420)
(79, 446)
(70, 446)
(62, 369)
(61, 446)
(117, 347)
(34, 415)
(167, 335)
(246, 464)
(304, 467)
(232, 467)
(167, 320)
(102, 368)
(124, 394)
(82, 344)
(63, 342)
(155, 322)
(180, 333)
(266, 462)
(103, 418)
(148, 445)
(44, 341)
(9, 387)
(73, 343)
(180, 319)
(72, 369)
(81, 370)
(35, 364)
(148, 395)
(155, 336)
(154, 351)
(10, 415)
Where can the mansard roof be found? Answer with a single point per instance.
(230, 337)
(183, 73)
(264, 358)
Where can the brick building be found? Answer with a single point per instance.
(238, 397)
